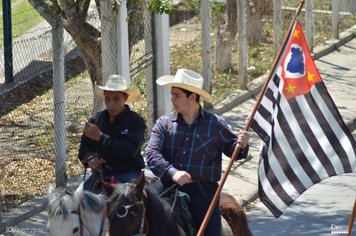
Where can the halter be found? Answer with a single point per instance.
(143, 224)
(82, 223)
(127, 208)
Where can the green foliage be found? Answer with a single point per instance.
(217, 9)
(192, 5)
(161, 6)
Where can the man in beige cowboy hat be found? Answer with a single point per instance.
(186, 146)
(112, 138)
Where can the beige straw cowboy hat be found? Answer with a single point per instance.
(188, 80)
(120, 84)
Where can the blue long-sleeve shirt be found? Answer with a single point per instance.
(195, 148)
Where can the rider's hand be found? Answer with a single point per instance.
(243, 139)
(92, 131)
(95, 163)
(182, 178)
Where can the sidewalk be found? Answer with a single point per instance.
(242, 181)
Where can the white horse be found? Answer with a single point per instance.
(82, 213)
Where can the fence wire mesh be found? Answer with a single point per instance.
(26, 114)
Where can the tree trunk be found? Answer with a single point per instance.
(256, 10)
(72, 15)
(226, 34)
(226, 37)
(223, 57)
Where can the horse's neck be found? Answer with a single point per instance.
(159, 218)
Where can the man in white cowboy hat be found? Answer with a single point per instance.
(112, 139)
(186, 146)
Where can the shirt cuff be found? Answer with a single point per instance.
(171, 171)
(243, 152)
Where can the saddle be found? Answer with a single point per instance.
(179, 202)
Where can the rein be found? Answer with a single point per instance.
(80, 220)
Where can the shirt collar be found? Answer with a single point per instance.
(125, 111)
(177, 117)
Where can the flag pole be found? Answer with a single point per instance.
(351, 220)
(248, 124)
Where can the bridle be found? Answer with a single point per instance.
(127, 208)
(84, 225)
(143, 230)
(143, 226)
(81, 221)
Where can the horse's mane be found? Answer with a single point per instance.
(61, 204)
(157, 204)
(161, 213)
(64, 200)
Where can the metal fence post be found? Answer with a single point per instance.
(123, 61)
(243, 46)
(7, 41)
(162, 61)
(335, 19)
(309, 23)
(150, 79)
(277, 26)
(206, 48)
(59, 105)
(108, 40)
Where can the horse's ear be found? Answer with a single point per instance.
(50, 191)
(140, 182)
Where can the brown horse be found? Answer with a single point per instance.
(135, 208)
(234, 215)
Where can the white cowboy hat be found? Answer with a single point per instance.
(120, 84)
(188, 80)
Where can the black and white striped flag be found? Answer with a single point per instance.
(304, 137)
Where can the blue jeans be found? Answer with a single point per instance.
(127, 177)
(201, 193)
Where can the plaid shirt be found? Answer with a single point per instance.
(195, 148)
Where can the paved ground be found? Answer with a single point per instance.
(323, 209)
(339, 72)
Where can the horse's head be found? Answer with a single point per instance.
(62, 219)
(92, 209)
(126, 207)
(81, 213)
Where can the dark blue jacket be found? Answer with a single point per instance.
(121, 142)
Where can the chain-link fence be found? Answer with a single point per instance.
(26, 114)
